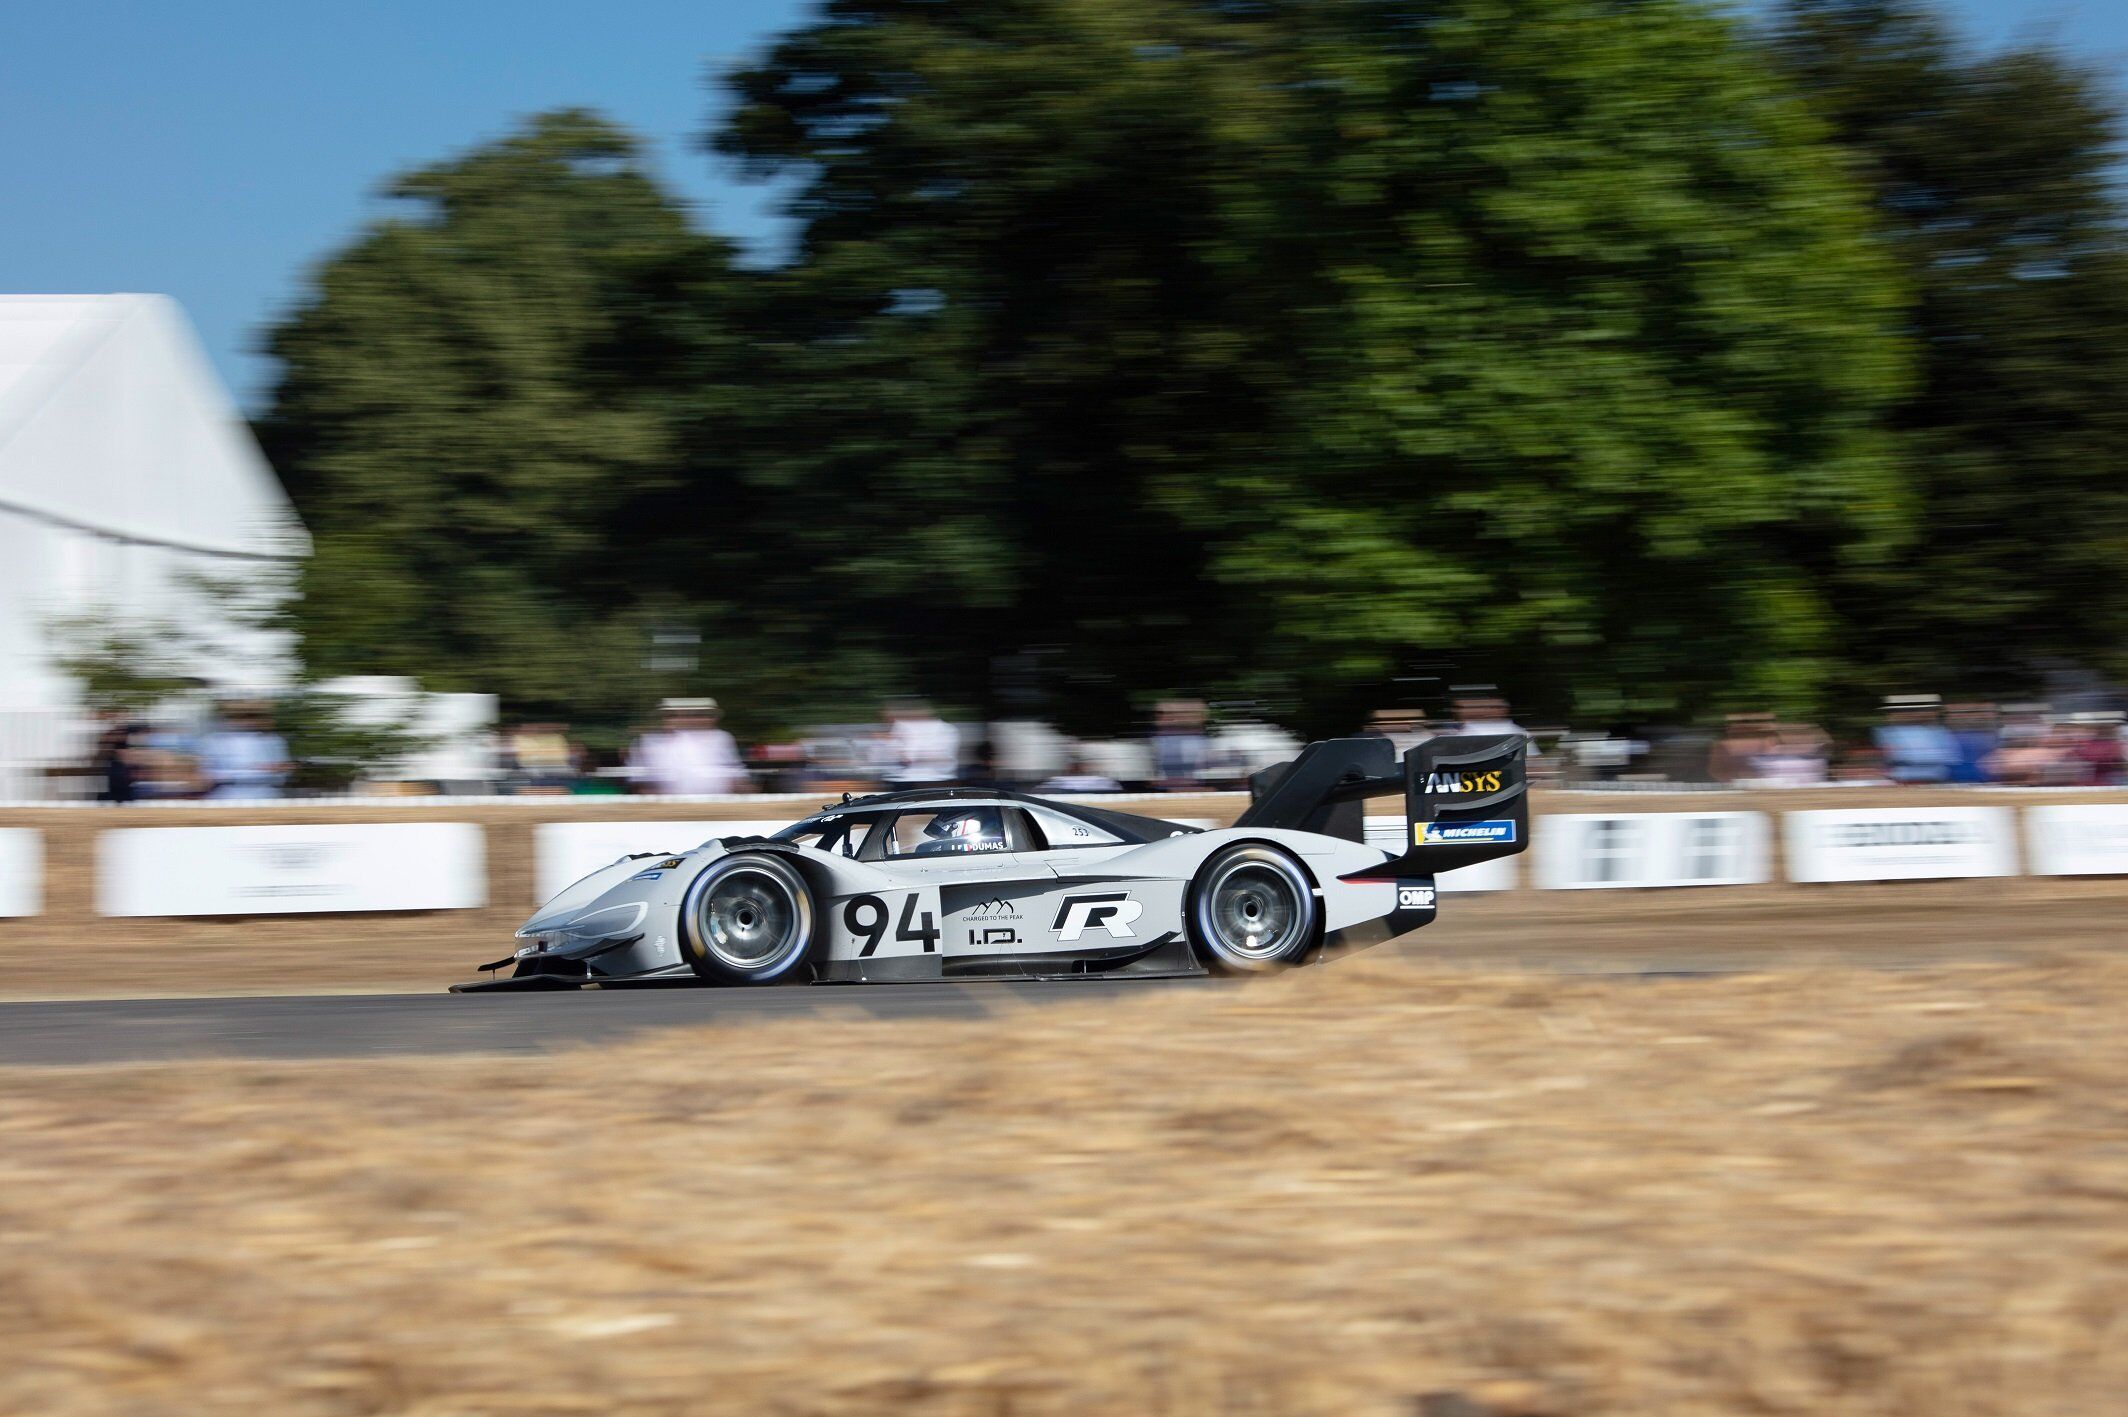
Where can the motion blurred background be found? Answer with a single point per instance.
(549, 402)
(1130, 390)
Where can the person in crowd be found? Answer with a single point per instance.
(2021, 722)
(118, 758)
(926, 748)
(2027, 753)
(1975, 736)
(601, 772)
(1861, 766)
(542, 759)
(876, 758)
(1797, 756)
(2033, 753)
(690, 755)
(244, 759)
(1757, 748)
(1746, 740)
(1179, 745)
(169, 765)
(982, 770)
(1081, 776)
(1481, 710)
(1404, 728)
(2093, 752)
(1917, 748)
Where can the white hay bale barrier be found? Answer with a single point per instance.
(291, 870)
(1625, 850)
(2082, 839)
(1900, 843)
(21, 872)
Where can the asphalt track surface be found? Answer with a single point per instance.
(75, 1032)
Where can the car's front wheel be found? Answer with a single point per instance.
(749, 920)
(1252, 909)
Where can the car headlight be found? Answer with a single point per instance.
(602, 924)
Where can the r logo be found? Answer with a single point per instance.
(1113, 912)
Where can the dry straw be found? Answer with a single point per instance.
(1382, 1188)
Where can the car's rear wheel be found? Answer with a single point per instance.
(749, 920)
(1252, 909)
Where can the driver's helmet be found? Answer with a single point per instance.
(975, 829)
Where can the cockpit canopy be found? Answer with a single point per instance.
(901, 825)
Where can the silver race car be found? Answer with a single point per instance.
(971, 883)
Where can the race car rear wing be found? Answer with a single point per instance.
(1466, 799)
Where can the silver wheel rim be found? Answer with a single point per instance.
(749, 919)
(1253, 910)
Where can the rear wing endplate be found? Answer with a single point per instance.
(1466, 798)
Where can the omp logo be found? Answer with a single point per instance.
(1114, 912)
(1459, 783)
(1414, 897)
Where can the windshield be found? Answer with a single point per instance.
(839, 833)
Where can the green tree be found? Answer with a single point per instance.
(487, 415)
(1993, 178)
(1267, 346)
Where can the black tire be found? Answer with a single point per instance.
(749, 919)
(1252, 909)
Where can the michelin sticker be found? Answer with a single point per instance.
(1443, 833)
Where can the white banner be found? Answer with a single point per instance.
(1392, 834)
(1900, 843)
(291, 870)
(2088, 839)
(21, 871)
(1624, 850)
(563, 853)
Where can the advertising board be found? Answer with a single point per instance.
(290, 870)
(1900, 843)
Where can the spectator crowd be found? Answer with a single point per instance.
(236, 756)
(237, 753)
(1921, 741)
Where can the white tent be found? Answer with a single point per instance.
(125, 472)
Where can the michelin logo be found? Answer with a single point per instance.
(1461, 833)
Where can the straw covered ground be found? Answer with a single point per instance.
(1391, 1187)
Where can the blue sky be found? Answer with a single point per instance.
(215, 149)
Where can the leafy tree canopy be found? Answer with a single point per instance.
(483, 416)
(1993, 178)
(1272, 345)
(1639, 363)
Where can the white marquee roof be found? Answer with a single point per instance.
(112, 422)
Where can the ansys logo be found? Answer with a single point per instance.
(1113, 912)
(1459, 783)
